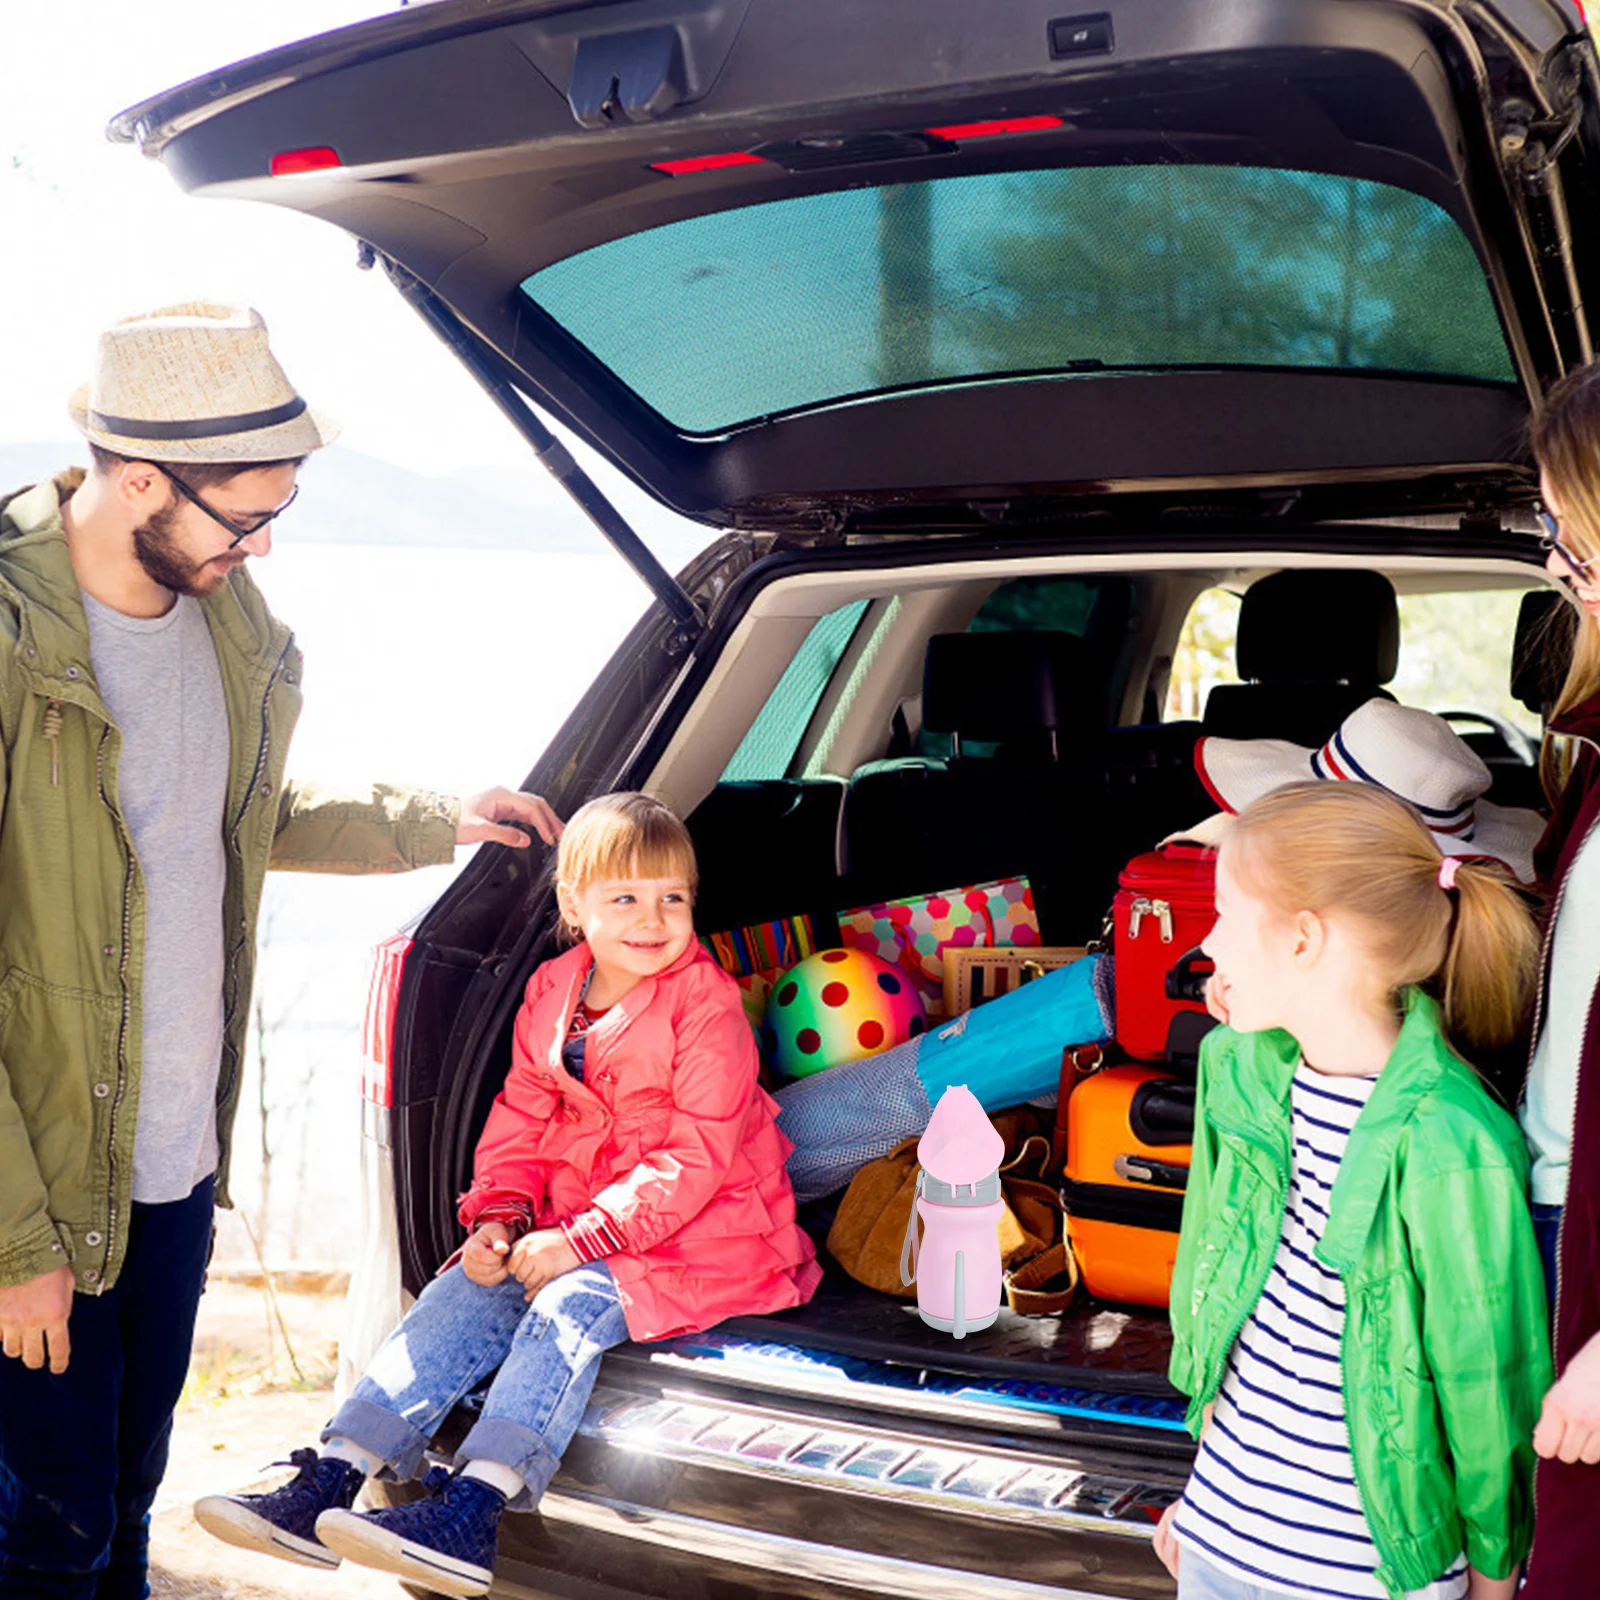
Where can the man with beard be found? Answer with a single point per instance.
(146, 701)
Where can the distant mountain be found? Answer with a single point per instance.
(350, 498)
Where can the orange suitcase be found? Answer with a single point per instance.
(1129, 1132)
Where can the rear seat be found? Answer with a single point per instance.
(1060, 797)
(1541, 655)
(919, 824)
(767, 849)
(1312, 646)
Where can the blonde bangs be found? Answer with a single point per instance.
(623, 836)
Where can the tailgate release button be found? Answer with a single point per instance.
(1080, 36)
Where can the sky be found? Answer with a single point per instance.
(94, 231)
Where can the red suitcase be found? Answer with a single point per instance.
(1165, 905)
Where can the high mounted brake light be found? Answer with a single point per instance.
(314, 158)
(983, 130)
(681, 168)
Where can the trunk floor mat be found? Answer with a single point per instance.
(1093, 1345)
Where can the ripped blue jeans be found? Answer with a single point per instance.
(547, 1352)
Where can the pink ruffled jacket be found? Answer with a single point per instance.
(669, 1141)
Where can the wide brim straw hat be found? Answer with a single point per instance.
(195, 382)
(1412, 753)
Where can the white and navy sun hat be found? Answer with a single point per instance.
(1414, 754)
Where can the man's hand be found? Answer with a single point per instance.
(538, 1257)
(33, 1319)
(483, 1256)
(488, 816)
(1569, 1424)
(1167, 1549)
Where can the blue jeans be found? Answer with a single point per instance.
(82, 1454)
(1198, 1579)
(459, 1332)
(1547, 1230)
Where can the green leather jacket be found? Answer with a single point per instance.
(1446, 1352)
(72, 896)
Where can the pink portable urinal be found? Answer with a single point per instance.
(958, 1199)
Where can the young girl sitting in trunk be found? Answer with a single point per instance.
(1358, 1308)
(629, 1183)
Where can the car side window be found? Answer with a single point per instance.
(1059, 605)
(1455, 656)
(768, 748)
(1205, 654)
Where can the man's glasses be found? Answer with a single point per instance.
(240, 530)
(1551, 540)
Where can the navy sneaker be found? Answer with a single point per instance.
(446, 1541)
(283, 1523)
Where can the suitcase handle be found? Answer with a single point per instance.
(1184, 982)
(1186, 850)
(1162, 1112)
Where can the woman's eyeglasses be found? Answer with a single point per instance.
(240, 530)
(1551, 540)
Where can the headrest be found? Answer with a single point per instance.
(1319, 627)
(1541, 653)
(996, 686)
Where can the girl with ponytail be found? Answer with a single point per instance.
(1358, 1307)
(1561, 1111)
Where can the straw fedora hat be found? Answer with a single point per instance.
(195, 382)
(1414, 754)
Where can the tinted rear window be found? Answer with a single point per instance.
(725, 318)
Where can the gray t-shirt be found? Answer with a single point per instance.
(160, 680)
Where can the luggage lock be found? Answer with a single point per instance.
(1140, 1169)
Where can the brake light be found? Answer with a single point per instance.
(732, 158)
(314, 158)
(377, 1032)
(983, 130)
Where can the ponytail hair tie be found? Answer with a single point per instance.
(1447, 872)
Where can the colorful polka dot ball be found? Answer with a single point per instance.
(838, 1006)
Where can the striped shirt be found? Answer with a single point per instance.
(592, 1234)
(1272, 1499)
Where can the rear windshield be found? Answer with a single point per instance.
(721, 319)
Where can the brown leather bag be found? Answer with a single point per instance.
(1037, 1269)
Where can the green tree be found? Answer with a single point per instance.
(1175, 265)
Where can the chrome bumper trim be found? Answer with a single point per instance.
(934, 1475)
(795, 1558)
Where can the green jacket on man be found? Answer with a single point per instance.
(1446, 1350)
(72, 897)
